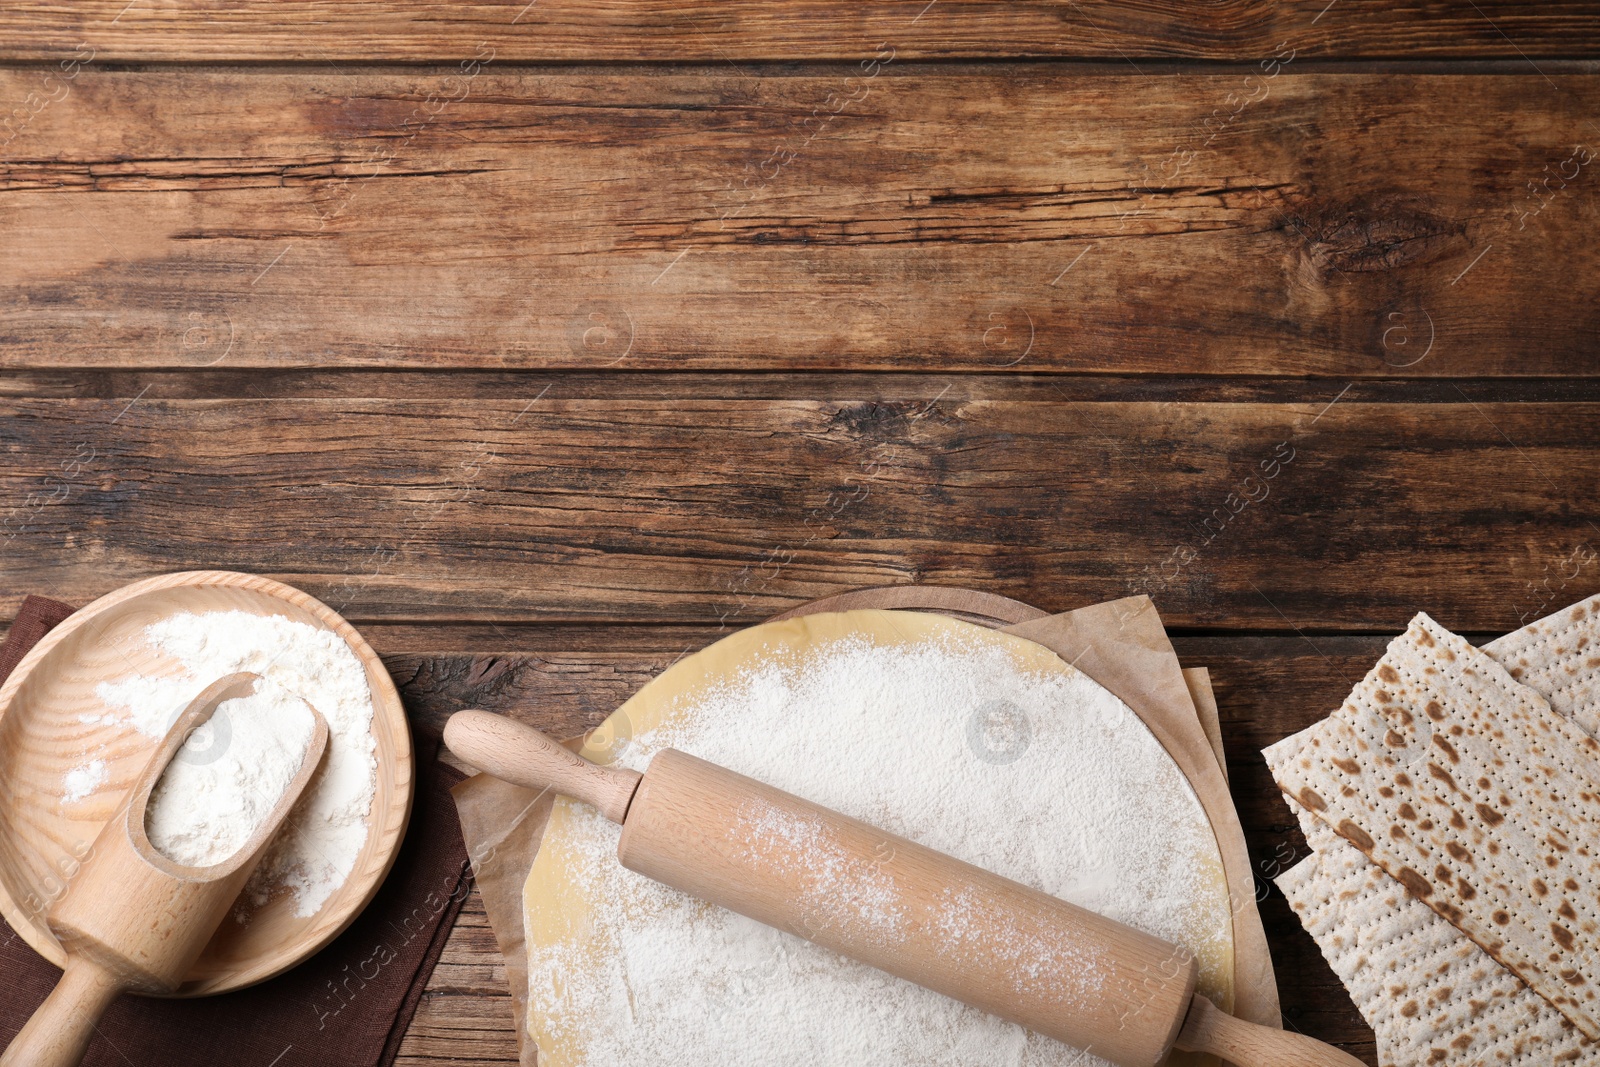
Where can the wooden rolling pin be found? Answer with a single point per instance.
(131, 919)
(923, 916)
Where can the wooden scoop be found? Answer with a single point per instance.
(131, 919)
(931, 919)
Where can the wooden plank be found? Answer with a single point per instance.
(872, 386)
(540, 509)
(814, 29)
(976, 219)
(1267, 687)
(465, 1016)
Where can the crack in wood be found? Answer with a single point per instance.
(122, 175)
(994, 216)
(1113, 194)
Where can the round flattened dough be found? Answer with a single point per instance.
(623, 970)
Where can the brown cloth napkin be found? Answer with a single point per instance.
(347, 1006)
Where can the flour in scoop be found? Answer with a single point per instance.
(1044, 778)
(318, 847)
(228, 777)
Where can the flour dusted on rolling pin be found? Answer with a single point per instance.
(317, 849)
(226, 779)
(1047, 779)
(801, 846)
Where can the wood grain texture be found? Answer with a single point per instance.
(465, 1016)
(1187, 223)
(538, 509)
(1022, 325)
(634, 30)
(874, 387)
(1267, 688)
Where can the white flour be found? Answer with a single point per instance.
(317, 849)
(82, 780)
(803, 849)
(228, 776)
(1046, 779)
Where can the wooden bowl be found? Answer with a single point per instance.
(43, 737)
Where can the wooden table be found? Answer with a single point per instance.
(549, 342)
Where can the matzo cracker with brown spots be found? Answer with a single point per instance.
(1558, 657)
(1395, 955)
(1470, 790)
(1429, 993)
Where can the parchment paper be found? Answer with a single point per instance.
(1120, 644)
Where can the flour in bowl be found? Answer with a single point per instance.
(317, 849)
(227, 778)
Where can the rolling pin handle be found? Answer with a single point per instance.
(523, 756)
(1208, 1028)
(58, 1033)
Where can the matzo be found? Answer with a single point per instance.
(1372, 934)
(1392, 951)
(1559, 658)
(1429, 993)
(1474, 794)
